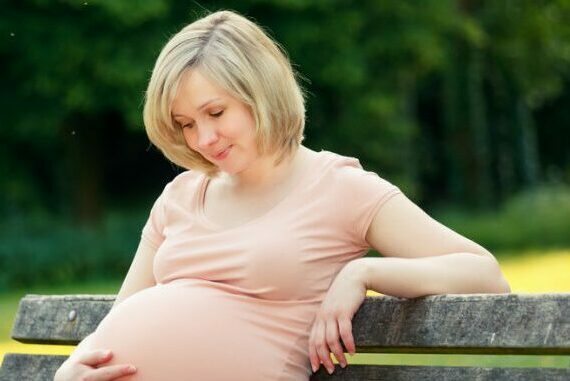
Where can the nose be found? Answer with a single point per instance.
(207, 136)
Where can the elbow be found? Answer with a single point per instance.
(497, 282)
(491, 279)
(502, 286)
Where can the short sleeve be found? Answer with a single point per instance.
(360, 194)
(153, 230)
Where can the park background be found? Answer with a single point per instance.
(463, 104)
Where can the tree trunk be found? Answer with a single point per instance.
(477, 120)
(83, 183)
(526, 145)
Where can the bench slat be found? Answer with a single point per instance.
(18, 367)
(462, 324)
(59, 319)
(436, 373)
(23, 367)
(466, 324)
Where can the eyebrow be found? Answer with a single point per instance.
(201, 107)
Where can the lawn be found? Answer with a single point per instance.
(534, 272)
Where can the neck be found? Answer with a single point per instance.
(264, 174)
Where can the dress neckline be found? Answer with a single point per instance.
(215, 226)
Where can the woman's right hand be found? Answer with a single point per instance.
(84, 367)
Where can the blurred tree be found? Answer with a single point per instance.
(437, 96)
(493, 81)
(76, 70)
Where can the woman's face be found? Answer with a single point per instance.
(215, 124)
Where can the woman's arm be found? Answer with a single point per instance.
(424, 257)
(421, 257)
(140, 275)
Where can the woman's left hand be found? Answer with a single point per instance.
(333, 320)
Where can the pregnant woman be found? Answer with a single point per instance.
(250, 264)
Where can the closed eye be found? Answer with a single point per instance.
(190, 125)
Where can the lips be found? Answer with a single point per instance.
(222, 154)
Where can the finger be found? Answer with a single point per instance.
(319, 343)
(345, 330)
(313, 356)
(334, 343)
(93, 358)
(111, 372)
(323, 349)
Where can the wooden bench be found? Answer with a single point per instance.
(519, 324)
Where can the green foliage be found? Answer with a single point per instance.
(532, 219)
(44, 249)
(441, 97)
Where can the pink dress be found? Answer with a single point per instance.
(238, 303)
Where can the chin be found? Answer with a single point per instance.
(232, 170)
(229, 171)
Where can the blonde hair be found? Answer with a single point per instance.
(238, 56)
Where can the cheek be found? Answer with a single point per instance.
(188, 137)
(247, 128)
(244, 122)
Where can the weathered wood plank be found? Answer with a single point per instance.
(23, 367)
(485, 324)
(59, 319)
(436, 373)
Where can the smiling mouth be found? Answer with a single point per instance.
(223, 154)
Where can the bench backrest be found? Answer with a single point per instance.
(519, 324)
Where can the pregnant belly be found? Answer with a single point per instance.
(186, 330)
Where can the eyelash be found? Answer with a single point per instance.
(214, 115)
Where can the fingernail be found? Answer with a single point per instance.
(131, 368)
(314, 368)
(330, 370)
(343, 365)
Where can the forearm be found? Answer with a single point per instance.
(458, 273)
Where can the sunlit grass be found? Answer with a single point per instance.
(533, 272)
(539, 272)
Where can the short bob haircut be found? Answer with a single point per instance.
(238, 56)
